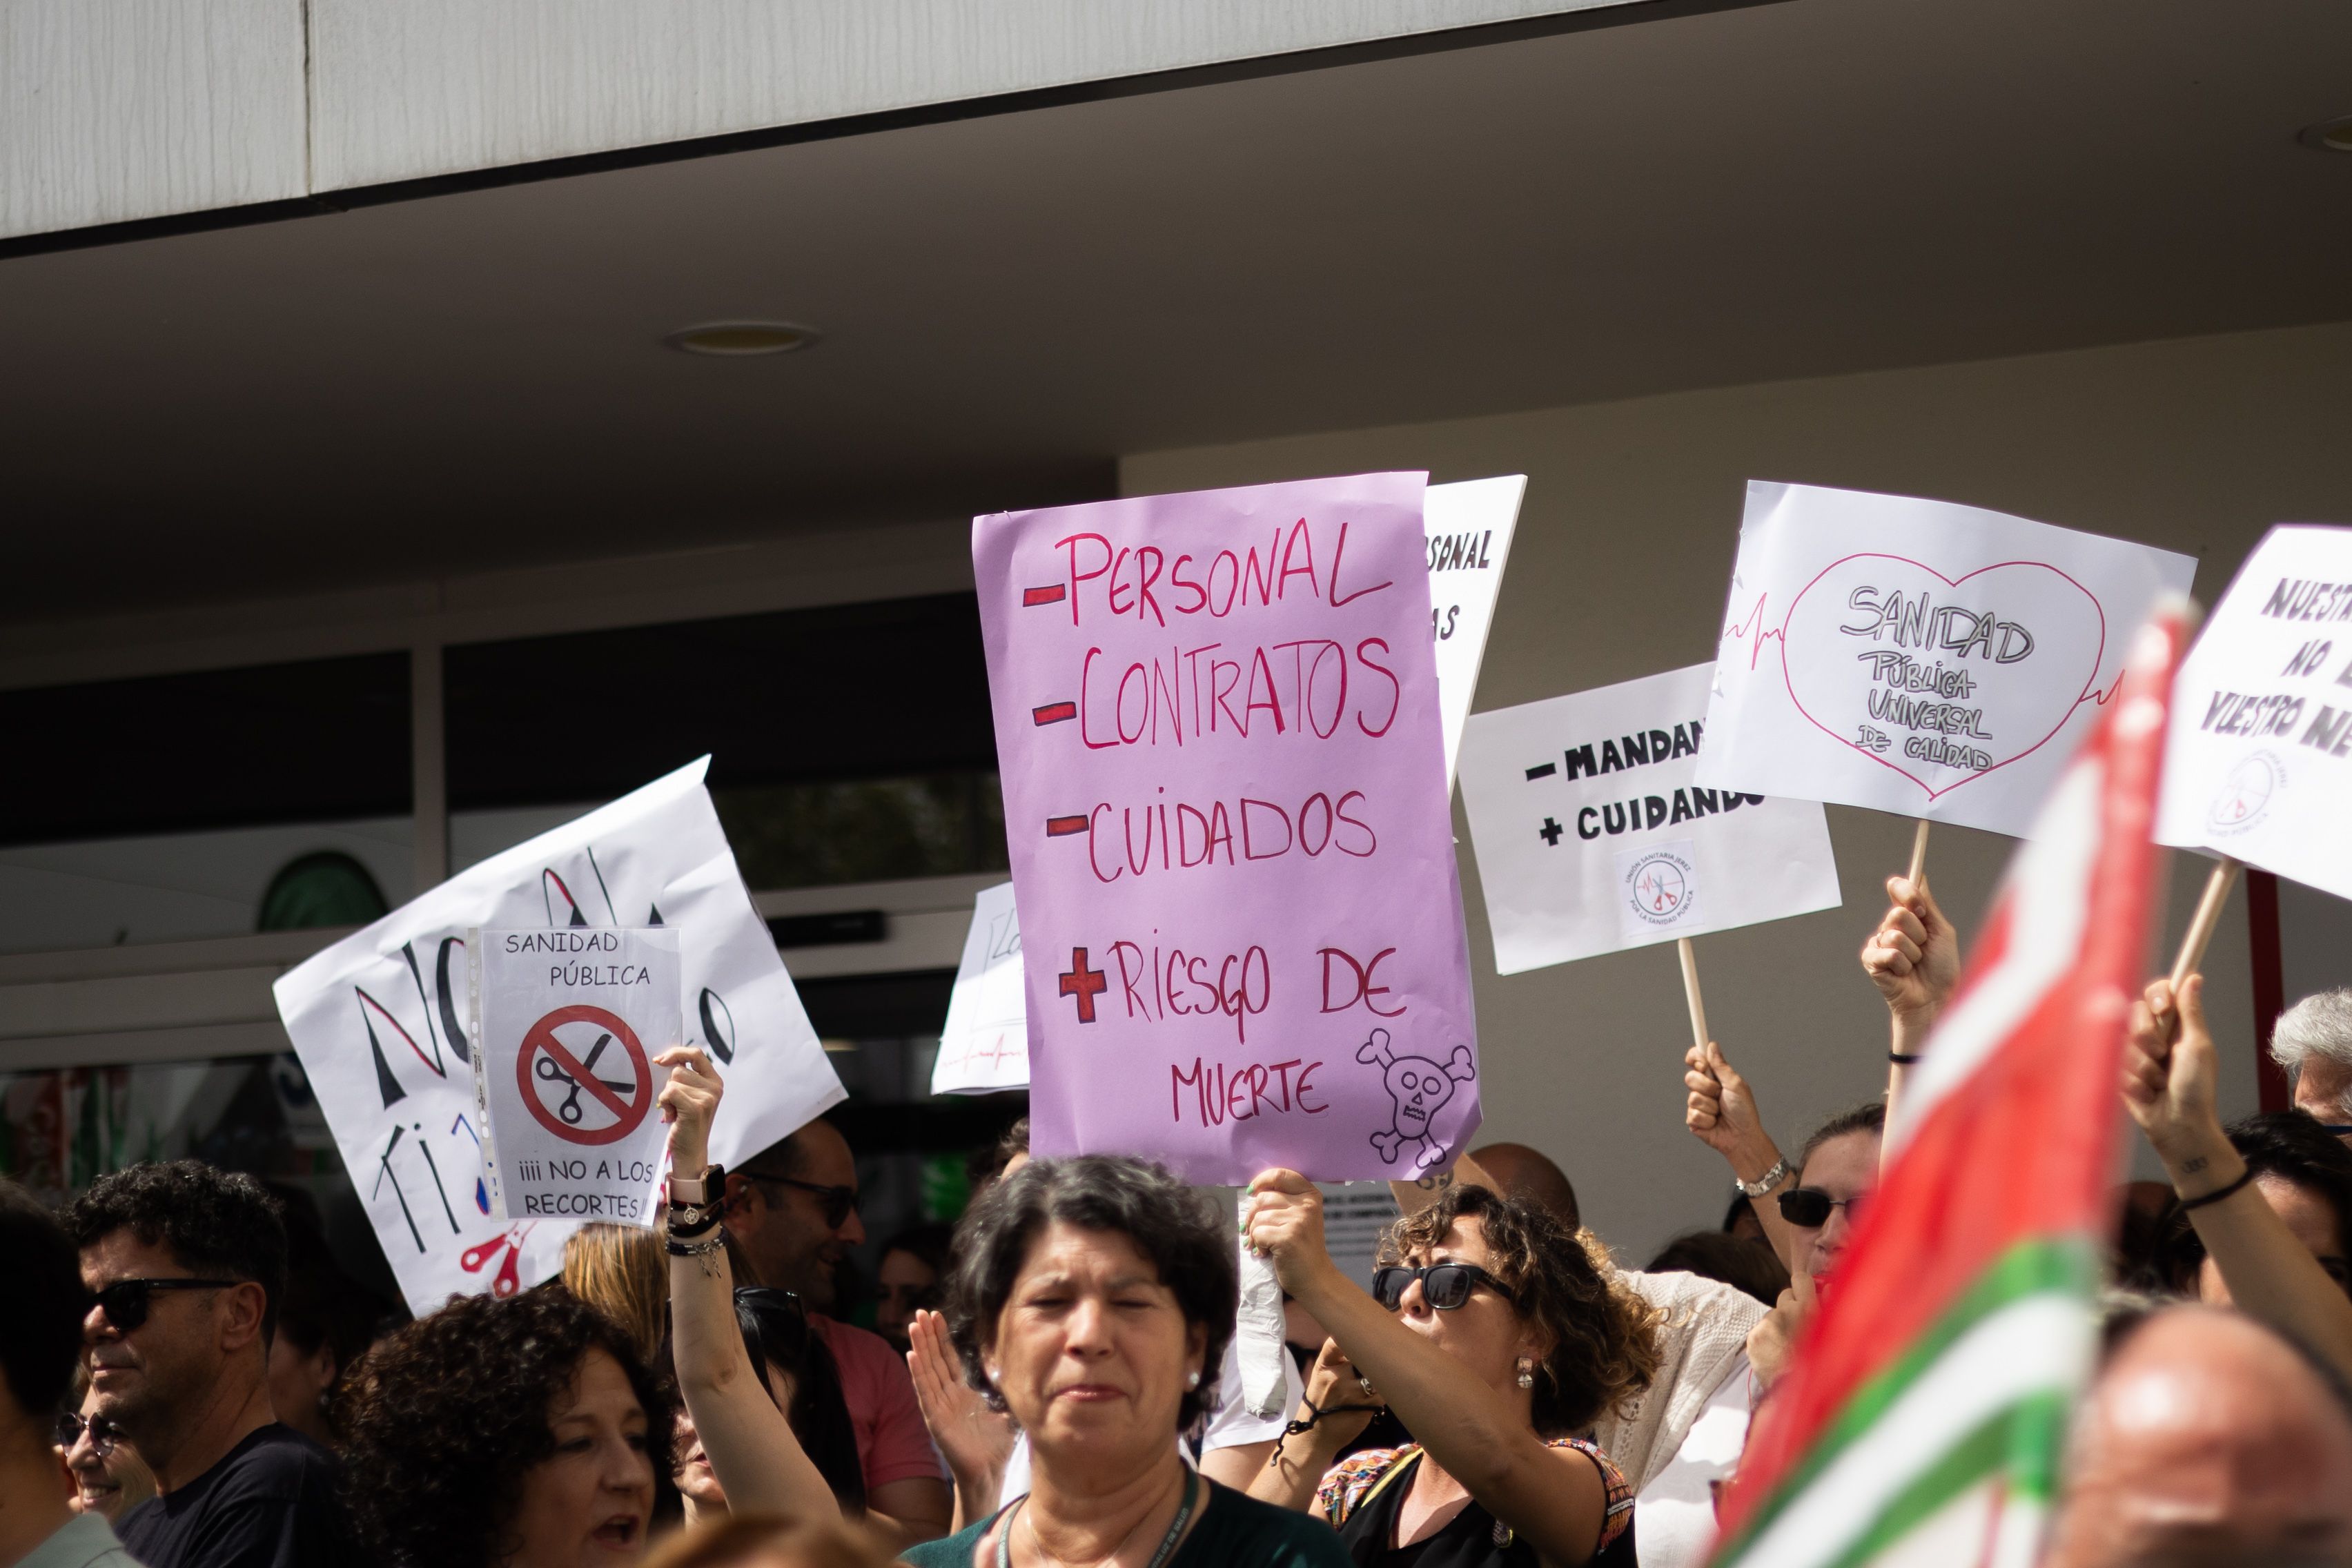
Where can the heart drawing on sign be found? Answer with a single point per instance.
(1943, 680)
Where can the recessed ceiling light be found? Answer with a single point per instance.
(2328, 135)
(734, 340)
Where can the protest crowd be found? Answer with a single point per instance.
(1932, 1329)
(1500, 1391)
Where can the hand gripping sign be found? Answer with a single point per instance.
(1217, 723)
(1916, 656)
(1592, 835)
(567, 1024)
(2258, 763)
(382, 1024)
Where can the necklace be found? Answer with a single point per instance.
(1158, 1559)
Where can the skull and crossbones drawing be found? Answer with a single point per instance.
(1421, 1089)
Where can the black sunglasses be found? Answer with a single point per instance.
(839, 1203)
(1444, 1285)
(127, 1302)
(103, 1434)
(1809, 1206)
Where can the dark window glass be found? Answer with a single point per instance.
(849, 742)
(322, 741)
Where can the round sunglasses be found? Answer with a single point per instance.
(103, 1434)
(1444, 1285)
(1809, 1206)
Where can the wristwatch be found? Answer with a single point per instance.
(1765, 1183)
(694, 1192)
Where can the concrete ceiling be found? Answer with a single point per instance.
(1798, 189)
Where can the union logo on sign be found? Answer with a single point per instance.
(1658, 887)
(2244, 797)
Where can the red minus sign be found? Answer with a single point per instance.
(1032, 598)
(1055, 712)
(1063, 827)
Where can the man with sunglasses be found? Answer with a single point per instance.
(791, 1210)
(184, 1264)
(41, 1325)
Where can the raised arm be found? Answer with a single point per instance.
(1914, 959)
(975, 1440)
(1334, 1408)
(1555, 1500)
(1720, 1112)
(2169, 1086)
(760, 1464)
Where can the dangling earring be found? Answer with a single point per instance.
(1192, 1380)
(1527, 1373)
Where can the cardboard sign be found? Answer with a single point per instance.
(1224, 792)
(1469, 527)
(1594, 834)
(985, 1044)
(567, 1023)
(382, 1022)
(1917, 656)
(2258, 765)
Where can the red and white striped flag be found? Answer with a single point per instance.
(1923, 1416)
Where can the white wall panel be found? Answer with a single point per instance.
(432, 87)
(114, 110)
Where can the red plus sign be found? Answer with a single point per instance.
(1084, 984)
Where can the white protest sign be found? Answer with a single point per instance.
(381, 1025)
(985, 1045)
(566, 1025)
(2258, 763)
(1594, 834)
(1916, 656)
(1469, 525)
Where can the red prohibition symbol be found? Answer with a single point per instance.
(544, 1059)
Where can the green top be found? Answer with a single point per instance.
(1235, 1532)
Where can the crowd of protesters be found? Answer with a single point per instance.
(1057, 1379)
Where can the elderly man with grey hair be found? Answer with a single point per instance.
(2314, 1042)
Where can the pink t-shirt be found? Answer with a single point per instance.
(893, 1444)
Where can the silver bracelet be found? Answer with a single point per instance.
(1767, 1181)
(717, 1239)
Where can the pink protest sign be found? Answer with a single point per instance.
(1224, 789)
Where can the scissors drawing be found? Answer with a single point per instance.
(547, 1072)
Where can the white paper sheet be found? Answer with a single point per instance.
(984, 1046)
(567, 1023)
(1917, 657)
(1469, 524)
(1594, 835)
(2258, 763)
(381, 1025)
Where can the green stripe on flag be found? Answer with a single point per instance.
(2066, 1264)
(2020, 1442)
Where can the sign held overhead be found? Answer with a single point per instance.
(1594, 834)
(2258, 765)
(1935, 660)
(1218, 727)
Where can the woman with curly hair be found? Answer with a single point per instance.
(520, 1432)
(1496, 1340)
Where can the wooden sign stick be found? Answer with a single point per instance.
(2201, 924)
(1918, 854)
(1690, 991)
